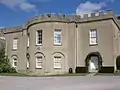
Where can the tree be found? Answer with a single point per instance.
(5, 65)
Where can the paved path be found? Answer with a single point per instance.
(60, 83)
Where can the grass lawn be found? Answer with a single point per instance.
(74, 74)
(13, 74)
(117, 74)
(25, 75)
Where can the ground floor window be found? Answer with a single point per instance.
(14, 62)
(57, 62)
(39, 62)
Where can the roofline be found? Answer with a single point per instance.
(85, 21)
(114, 20)
(13, 32)
(31, 24)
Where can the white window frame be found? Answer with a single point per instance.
(57, 62)
(39, 61)
(57, 37)
(14, 61)
(37, 37)
(93, 37)
(15, 43)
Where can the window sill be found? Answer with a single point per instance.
(57, 68)
(57, 44)
(93, 44)
(38, 68)
(14, 49)
(38, 44)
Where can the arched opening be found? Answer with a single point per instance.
(93, 62)
(59, 62)
(118, 62)
(14, 61)
(39, 61)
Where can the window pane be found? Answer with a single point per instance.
(93, 37)
(15, 43)
(93, 41)
(57, 37)
(57, 62)
(57, 65)
(14, 62)
(93, 33)
(39, 37)
(38, 62)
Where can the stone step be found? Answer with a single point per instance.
(91, 74)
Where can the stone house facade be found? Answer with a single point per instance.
(54, 44)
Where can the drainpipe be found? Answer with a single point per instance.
(76, 38)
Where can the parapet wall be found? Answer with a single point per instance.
(70, 18)
(61, 18)
(12, 29)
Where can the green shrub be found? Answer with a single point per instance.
(1, 70)
(12, 70)
(5, 66)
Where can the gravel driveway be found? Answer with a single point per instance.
(60, 83)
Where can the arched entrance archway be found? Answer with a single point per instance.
(93, 62)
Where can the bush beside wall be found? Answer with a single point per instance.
(5, 66)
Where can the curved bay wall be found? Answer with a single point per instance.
(48, 48)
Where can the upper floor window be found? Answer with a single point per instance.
(39, 37)
(14, 62)
(39, 62)
(93, 37)
(15, 42)
(57, 37)
(57, 62)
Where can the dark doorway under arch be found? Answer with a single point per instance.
(93, 62)
(118, 62)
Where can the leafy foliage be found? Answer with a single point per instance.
(5, 65)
